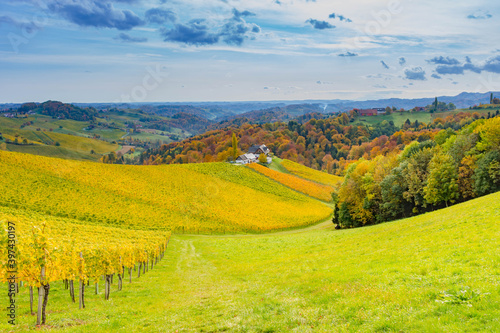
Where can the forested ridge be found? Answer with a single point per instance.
(329, 144)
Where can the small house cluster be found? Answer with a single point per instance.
(370, 112)
(252, 156)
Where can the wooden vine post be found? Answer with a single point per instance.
(82, 285)
(41, 294)
(31, 300)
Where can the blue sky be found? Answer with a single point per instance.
(233, 50)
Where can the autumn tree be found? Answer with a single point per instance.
(235, 147)
(416, 177)
(465, 177)
(442, 180)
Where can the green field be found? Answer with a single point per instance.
(397, 117)
(437, 272)
(423, 117)
(74, 137)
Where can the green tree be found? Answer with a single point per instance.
(442, 185)
(393, 187)
(262, 158)
(487, 174)
(345, 219)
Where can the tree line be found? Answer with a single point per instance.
(330, 144)
(453, 166)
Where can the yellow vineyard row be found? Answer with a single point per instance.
(318, 191)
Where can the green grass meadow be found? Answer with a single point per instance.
(438, 272)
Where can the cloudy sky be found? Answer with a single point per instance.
(234, 50)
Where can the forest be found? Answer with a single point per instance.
(329, 144)
(454, 166)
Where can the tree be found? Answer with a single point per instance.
(262, 158)
(393, 187)
(416, 177)
(487, 174)
(491, 98)
(442, 183)
(465, 174)
(235, 147)
(435, 107)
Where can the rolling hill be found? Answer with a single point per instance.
(436, 272)
(196, 198)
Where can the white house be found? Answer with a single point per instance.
(247, 158)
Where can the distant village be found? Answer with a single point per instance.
(383, 111)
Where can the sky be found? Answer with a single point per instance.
(232, 50)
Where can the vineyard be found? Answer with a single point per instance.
(315, 190)
(437, 272)
(39, 250)
(203, 198)
(311, 174)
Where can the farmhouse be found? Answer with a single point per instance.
(246, 158)
(366, 112)
(252, 156)
(258, 149)
(370, 112)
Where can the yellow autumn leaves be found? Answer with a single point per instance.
(71, 250)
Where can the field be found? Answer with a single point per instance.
(315, 190)
(310, 174)
(397, 117)
(423, 117)
(195, 198)
(75, 140)
(69, 146)
(437, 272)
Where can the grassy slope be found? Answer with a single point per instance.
(384, 278)
(397, 117)
(211, 197)
(71, 146)
(423, 117)
(78, 145)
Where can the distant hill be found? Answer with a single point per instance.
(213, 110)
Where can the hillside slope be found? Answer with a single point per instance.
(211, 197)
(436, 272)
